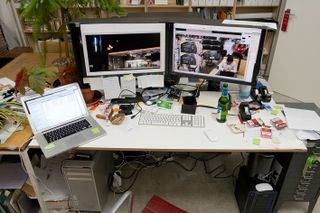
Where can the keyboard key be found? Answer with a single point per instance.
(65, 131)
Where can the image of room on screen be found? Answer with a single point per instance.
(219, 54)
(123, 52)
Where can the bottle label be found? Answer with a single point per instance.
(219, 110)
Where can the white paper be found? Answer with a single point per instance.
(7, 131)
(302, 119)
(128, 82)
(208, 99)
(96, 83)
(111, 87)
(6, 81)
(307, 135)
(154, 81)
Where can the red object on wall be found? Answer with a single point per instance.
(285, 20)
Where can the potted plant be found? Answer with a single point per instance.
(41, 13)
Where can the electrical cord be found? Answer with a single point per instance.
(133, 116)
(205, 106)
(126, 90)
(185, 168)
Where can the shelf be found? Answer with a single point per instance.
(218, 6)
(132, 6)
(167, 6)
(256, 6)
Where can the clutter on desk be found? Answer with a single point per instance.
(164, 104)
(244, 111)
(260, 93)
(278, 123)
(11, 113)
(115, 116)
(236, 127)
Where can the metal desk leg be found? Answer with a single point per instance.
(29, 169)
(313, 202)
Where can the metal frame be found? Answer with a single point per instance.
(29, 169)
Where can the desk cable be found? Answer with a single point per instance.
(142, 162)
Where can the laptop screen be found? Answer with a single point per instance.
(55, 108)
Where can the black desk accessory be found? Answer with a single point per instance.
(244, 111)
(260, 94)
(189, 105)
(127, 100)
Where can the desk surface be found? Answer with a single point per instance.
(24, 60)
(130, 136)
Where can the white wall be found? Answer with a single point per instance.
(295, 70)
(9, 26)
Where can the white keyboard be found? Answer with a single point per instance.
(174, 120)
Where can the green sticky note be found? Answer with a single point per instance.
(277, 107)
(256, 141)
(274, 112)
(275, 140)
(49, 146)
(95, 130)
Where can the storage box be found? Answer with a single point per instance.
(195, 3)
(223, 2)
(230, 3)
(160, 2)
(202, 3)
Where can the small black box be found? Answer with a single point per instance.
(189, 105)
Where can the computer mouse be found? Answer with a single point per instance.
(262, 187)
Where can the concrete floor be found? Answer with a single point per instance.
(195, 191)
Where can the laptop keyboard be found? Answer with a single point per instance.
(65, 131)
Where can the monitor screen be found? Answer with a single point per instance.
(116, 49)
(224, 53)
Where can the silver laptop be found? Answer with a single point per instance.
(60, 119)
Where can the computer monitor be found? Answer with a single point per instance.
(120, 48)
(217, 52)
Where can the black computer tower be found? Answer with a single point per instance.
(249, 199)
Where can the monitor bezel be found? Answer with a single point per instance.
(256, 68)
(123, 28)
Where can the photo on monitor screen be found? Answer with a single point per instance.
(217, 51)
(123, 48)
(123, 51)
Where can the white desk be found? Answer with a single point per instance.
(129, 136)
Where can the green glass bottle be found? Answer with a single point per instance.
(223, 105)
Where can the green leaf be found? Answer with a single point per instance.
(37, 79)
(52, 74)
